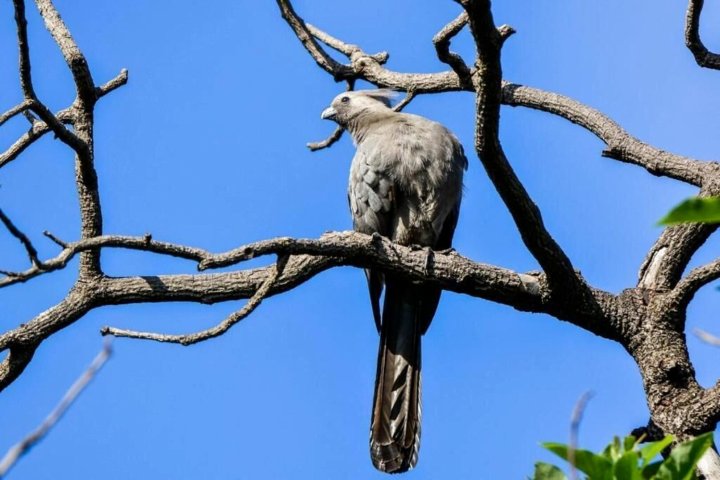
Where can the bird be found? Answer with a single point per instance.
(406, 183)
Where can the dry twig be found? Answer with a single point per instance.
(24, 446)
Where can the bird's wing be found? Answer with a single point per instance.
(371, 195)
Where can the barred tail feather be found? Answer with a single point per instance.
(395, 425)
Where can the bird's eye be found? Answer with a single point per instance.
(345, 99)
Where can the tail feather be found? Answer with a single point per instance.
(395, 426)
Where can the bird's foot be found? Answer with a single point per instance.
(429, 259)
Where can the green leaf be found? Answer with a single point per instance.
(545, 471)
(652, 449)
(649, 471)
(683, 458)
(626, 468)
(629, 443)
(695, 209)
(597, 467)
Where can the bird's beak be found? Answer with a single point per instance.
(328, 114)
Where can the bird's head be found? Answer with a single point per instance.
(349, 105)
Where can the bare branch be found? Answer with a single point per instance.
(189, 339)
(575, 420)
(325, 61)
(117, 82)
(409, 97)
(15, 363)
(487, 145)
(336, 134)
(24, 240)
(133, 243)
(21, 107)
(442, 47)
(330, 140)
(707, 337)
(450, 271)
(71, 53)
(24, 50)
(26, 83)
(694, 43)
(620, 144)
(686, 289)
(669, 256)
(24, 446)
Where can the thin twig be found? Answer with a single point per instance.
(706, 337)
(335, 135)
(24, 446)
(441, 40)
(117, 82)
(405, 101)
(21, 107)
(24, 240)
(575, 420)
(218, 329)
(330, 140)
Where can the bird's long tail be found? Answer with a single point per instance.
(395, 425)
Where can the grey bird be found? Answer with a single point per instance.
(405, 184)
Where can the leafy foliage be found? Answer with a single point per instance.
(695, 209)
(627, 460)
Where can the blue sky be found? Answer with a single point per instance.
(206, 146)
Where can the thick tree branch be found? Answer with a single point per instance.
(190, 339)
(71, 53)
(17, 359)
(449, 271)
(686, 289)
(703, 56)
(669, 256)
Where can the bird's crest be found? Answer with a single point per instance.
(382, 95)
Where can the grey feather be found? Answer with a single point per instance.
(406, 184)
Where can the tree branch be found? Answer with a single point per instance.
(450, 271)
(190, 339)
(24, 446)
(336, 134)
(24, 240)
(441, 40)
(325, 61)
(703, 56)
(620, 144)
(74, 58)
(14, 364)
(686, 289)
(21, 107)
(525, 213)
(36, 131)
